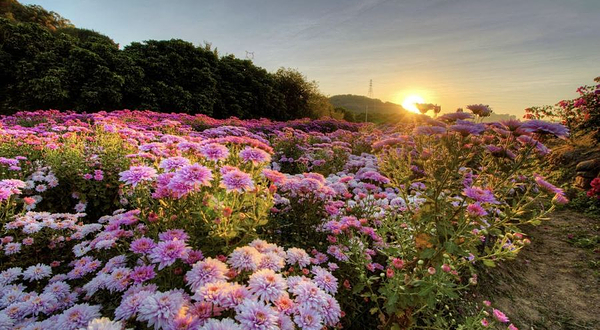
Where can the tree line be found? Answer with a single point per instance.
(47, 63)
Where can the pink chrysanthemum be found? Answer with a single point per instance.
(255, 315)
(161, 308)
(77, 317)
(267, 285)
(245, 258)
(206, 271)
(214, 151)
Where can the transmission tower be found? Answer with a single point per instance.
(249, 55)
(370, 95)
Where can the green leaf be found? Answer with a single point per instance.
(427, 253)
(489, 263)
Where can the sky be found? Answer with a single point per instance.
(510, 54)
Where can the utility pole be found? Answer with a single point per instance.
(370, 95)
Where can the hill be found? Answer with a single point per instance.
(358, 103)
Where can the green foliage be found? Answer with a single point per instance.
(47, 63)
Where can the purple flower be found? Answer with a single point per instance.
(77, 317)
(10, 275)
(325, 280)
(255, 315)
(137, 174)
(309, 294)
(130, 304)
(166, 253)
(481, 110)
(544, 127)
(480, 195)
(454, 116)
(466, 128)
(195, 174)
(172, 234)
(299, 256)
(37, 272)
(174, 163)
(271, 260)
(429, 130)
(189, 178)
(267, 285)
(254, 155)
(236, 180)
(547, 186)
(529, 141)
(332, 312)
(12, 248)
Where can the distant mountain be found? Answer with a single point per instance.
(358, 104)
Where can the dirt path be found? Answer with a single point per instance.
(555, 281)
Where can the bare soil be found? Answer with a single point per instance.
(555, 282)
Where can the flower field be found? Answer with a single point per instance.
(145, 220)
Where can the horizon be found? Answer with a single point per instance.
(510, 55)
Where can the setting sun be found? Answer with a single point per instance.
(410, 102)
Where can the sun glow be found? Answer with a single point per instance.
(410, 102)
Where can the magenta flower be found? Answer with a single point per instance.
(174, 163)
(142, 245)
(214, 151)
(167, 252)
(137, 174)
(498, 315)
(195, 174)
(236, 180)
(475, 210)
(141, 274)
